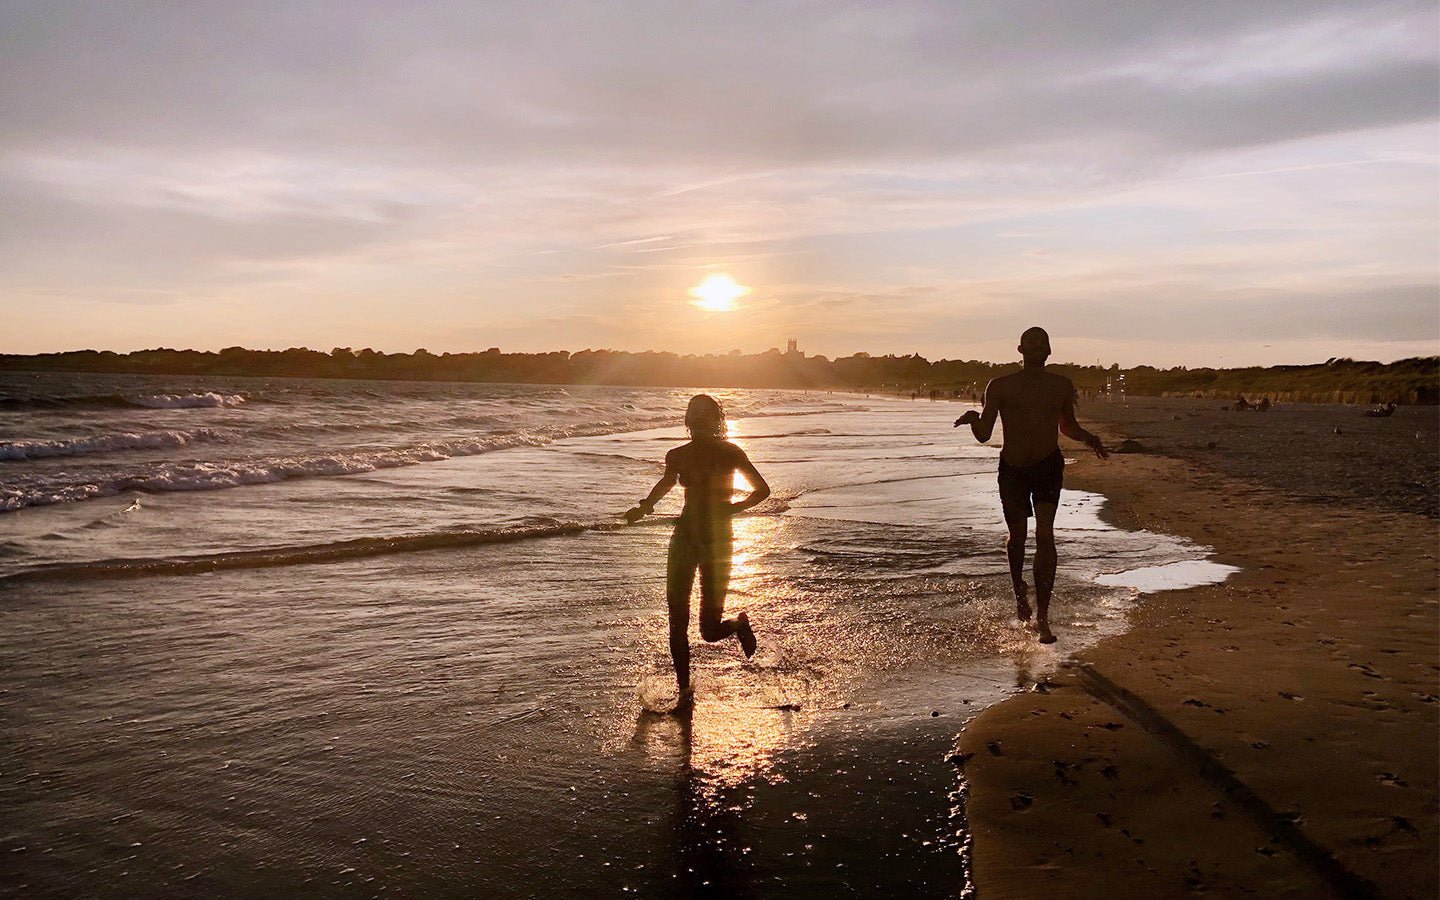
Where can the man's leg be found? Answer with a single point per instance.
(1015, 503)
(1045, 559)
(1015, 552)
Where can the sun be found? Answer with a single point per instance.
(718, 293)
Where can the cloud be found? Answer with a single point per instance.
(786, 84)
(518, 167)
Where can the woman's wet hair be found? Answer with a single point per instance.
(704, 418)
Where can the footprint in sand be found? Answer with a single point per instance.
(1403, 824)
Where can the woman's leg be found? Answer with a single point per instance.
(679, 578)
(714, 581)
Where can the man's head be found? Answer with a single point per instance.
(1034, 345)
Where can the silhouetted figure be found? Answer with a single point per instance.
(1381, 412)
(705, 467)
(1241, 403)
(1033, 405)
(1263, 405)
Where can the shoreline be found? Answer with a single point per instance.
(769, 787)
(1274, 733)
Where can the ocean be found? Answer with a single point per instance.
(276, 635)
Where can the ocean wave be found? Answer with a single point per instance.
(209, 399)
(73, 486)
(305, 554)
(106, 443)
(221, 474)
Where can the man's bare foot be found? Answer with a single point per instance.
(746, 634)
(1022, 602)
(685, 702)
(1042, 628)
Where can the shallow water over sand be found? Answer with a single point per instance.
(467, 718)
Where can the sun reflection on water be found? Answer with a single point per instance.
(745, 712)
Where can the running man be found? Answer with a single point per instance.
(1033, 405)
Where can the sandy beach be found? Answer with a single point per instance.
(1274, 735)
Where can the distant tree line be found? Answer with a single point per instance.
(1415, 380)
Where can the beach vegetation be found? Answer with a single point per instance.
(1415, 380)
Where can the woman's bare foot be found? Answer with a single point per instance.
(1042, 628)
(746, 634)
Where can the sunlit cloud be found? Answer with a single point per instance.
(461, 176)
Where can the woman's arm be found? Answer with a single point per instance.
(759, 489)
(662, 487)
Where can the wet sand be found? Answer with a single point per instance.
(1274, 735)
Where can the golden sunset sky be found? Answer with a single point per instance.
(1164, 182)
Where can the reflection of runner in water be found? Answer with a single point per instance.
(706, 468)
(1033, 405)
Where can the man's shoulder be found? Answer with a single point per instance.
(1003, 382)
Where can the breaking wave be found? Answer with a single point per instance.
(209, 399)
(106, 443)
(217, 475)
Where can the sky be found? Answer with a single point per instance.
(1165, 182)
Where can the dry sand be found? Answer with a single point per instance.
(1274, 735)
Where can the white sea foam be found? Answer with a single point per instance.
(218, 475)
(1170, 576)
(187, 401)
(19, 498)
(106, 443)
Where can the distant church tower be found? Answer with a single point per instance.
(791, 348)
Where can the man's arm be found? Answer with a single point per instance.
(1071, 428)
(982, 423)
(662, 487)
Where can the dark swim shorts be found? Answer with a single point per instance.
(1041, 480)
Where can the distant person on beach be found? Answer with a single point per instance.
(1034, 406)
(702, 541)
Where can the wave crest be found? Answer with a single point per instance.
(221, 474)
(106, 443)
(209, 399)
(305, 554)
